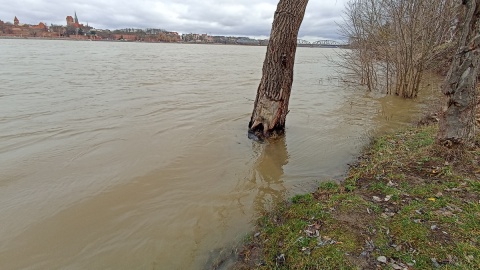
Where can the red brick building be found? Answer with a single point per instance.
(128, 37)
(70, 20)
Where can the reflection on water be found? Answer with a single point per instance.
(267, 173)
(263, 187)
(135, 156)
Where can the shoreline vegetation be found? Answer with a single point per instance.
(129, 41)
(407, 203)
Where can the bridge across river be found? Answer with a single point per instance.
(324, 43)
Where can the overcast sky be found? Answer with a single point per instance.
(216, 17)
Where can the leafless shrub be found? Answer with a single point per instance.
(393, 42)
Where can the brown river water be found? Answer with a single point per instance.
(135, 156)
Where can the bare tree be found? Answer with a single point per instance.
(457, 122)
(393, 42)
(271, 104)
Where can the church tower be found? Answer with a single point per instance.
(16, 21)
(69, 20)
(76, 19)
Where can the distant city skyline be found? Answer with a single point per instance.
(215, 17)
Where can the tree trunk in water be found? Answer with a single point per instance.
(271, 105)
(457, 122)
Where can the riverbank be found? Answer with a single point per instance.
(83, 38)
(406, 204)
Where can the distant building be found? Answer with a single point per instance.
(197, 38)
(75, 28)
(70, 20)
(167, 37)
(3, 27)
(76, 24)
(17, 29)
(40, 26)
(125, 37)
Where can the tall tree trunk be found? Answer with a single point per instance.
(457, 122)
(271, 105)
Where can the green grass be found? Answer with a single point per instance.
(413, 200)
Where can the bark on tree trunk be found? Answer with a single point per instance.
(457, 122)
(271, 104)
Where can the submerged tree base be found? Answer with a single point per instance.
(259, 135)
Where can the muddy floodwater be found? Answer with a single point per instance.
(135, 156)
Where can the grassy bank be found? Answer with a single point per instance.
(406, 204)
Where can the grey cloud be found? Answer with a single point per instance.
(226, 17)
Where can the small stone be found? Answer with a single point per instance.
(257, 234)
(382, 259)
(377, 199)
(433, 227)
(396, 267)
(435, 263)
(417, 220)
(388, 198)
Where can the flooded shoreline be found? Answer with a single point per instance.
(134, 155)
